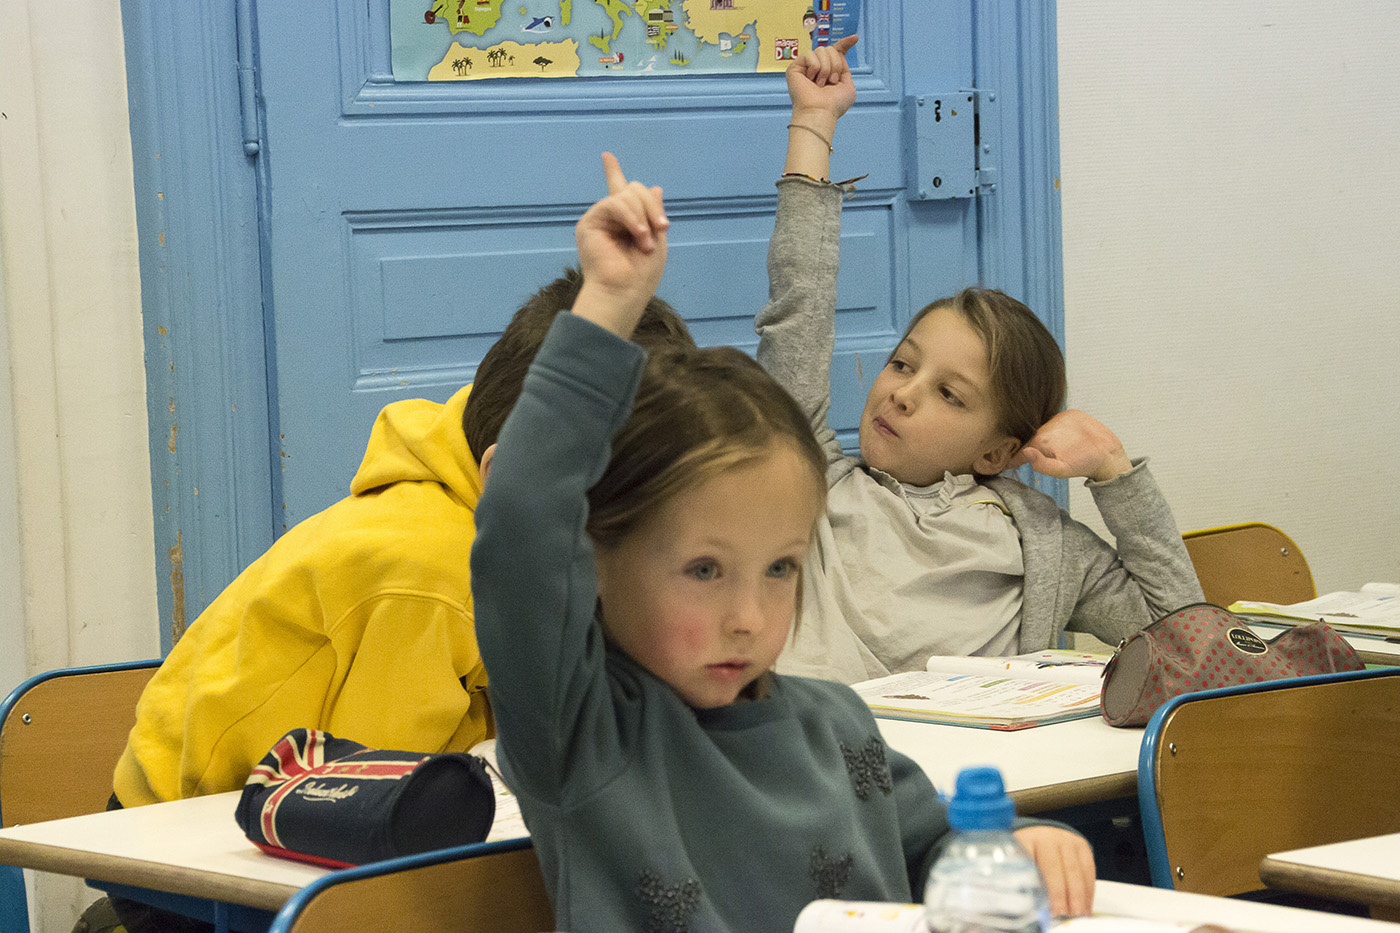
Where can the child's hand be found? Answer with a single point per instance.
(1067, 863)
(821, 89)
(820, 84)
(1074, 444)
(621, 250)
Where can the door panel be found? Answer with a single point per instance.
(406, 222)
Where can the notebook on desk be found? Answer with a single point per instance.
(992, 693)
(1374, 610)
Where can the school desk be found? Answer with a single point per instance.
(1066, 764)
(194, 848)
(190, 852)
(1366, 871)
(187, 846)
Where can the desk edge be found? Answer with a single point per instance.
(1329, 882)
(265, 895)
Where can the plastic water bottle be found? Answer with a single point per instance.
(984, 882)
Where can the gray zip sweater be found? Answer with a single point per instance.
(1073, 579)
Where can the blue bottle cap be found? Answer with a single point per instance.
(980, 801)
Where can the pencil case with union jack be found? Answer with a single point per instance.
(330, 801)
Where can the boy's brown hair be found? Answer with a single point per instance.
(1025, 367)
(501, 373)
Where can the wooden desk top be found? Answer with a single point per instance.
(192, 847)
(1362, 870)
(1045, 768)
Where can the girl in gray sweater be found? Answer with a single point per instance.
(924, 549)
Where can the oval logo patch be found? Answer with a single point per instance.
(1247, 641)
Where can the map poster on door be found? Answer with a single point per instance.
(468, 40)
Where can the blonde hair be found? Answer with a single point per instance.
(698, 413)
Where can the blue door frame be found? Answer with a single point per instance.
(206, 375)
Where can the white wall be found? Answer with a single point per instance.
(77, 568)
(1231, 202)
(72, 304)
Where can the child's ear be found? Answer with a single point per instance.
(997, 457)
(487, 456)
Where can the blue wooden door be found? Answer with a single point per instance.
(319, 239)
(407, 220)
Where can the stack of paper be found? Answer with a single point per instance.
(1373, 611)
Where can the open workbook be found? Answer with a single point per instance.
(992, 693)
(1375, 610)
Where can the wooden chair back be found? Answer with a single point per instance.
(1229, 776)
(1253, 561)
(500, 891)
(61, 734)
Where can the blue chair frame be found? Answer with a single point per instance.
(14, 902)
(1162, 872)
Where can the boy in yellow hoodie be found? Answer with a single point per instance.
(357, 621)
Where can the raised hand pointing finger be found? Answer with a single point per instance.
(613, 170)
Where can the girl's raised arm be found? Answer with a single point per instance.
(533, 579)
(796, 328)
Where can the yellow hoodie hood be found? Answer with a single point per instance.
(418, 440)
